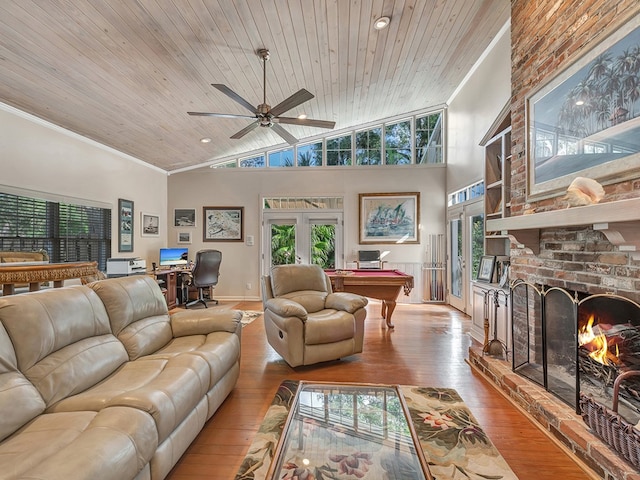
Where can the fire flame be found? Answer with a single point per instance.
(597, 344)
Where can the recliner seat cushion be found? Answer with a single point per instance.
(328, 326)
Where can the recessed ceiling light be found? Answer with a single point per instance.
(302, 116)
(381, 23)
(205, 140)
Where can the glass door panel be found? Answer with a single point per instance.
(280, 241)
(456, 288)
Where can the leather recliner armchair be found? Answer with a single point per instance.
(305, 321)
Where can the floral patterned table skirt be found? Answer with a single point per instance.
(453, 442)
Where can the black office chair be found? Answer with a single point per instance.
(203, 276)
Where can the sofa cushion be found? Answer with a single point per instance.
(167, 389)
(221, 350)
(62, 339)
(114, 443)
(137, 311)
(19, 400)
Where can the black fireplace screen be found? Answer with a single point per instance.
(570, 342)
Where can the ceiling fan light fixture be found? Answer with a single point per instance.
(381, 23)
(205, 140)
(302, 116)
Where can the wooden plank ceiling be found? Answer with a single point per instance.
(125, 72)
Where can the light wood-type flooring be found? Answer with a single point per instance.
(428, 347)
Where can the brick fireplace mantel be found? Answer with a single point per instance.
(619, 221)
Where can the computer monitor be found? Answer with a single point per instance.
(170, 257)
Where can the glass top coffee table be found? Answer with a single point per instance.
(358, 430)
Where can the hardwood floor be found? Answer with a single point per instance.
(428, 347)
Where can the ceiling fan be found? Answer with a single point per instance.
(264, 114)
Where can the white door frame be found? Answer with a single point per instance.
(463, 212)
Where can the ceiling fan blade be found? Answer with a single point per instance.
(307, 122)
(294, 100)
(290, 139)
(245, 130)
(224, 115)
(234, 96)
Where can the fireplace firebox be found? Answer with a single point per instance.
(571, 343)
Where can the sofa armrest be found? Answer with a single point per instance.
(286, 308)
(348, 302)
(203, 322)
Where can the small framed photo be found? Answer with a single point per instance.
(184, 217)
(487, 265)
(150, 225)
(184, 237)
(223, 224)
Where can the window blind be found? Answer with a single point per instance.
(68, 232)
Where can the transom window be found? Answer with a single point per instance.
(418, 140)
(310, 155)
(339, 150)
(281, 158)
(369, 147)
(397, 143)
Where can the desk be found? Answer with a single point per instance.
(34, 275)
(172, 281)
(383, 285)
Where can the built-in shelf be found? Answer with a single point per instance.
(619, 221)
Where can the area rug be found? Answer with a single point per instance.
(453, 442)
(249, 316)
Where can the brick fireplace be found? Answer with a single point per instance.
(575, 259)
(593, 249)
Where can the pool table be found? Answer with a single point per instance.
(383, 285)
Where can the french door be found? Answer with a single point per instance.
(302, 237)
(465, 231)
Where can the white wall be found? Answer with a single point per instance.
(241, 263)
(39, 158)
(472, 112)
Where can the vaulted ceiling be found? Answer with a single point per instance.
(126, 72)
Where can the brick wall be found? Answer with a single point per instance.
(546, 36)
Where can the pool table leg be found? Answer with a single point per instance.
(388, 306)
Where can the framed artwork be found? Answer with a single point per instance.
(184, 237)
(125, 225)
(184, 217)
(487, 265)
(223, 224)
(586, 121)
(389, 217)
(150, 225)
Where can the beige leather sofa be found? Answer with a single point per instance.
(101, 382)
(305, 321)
